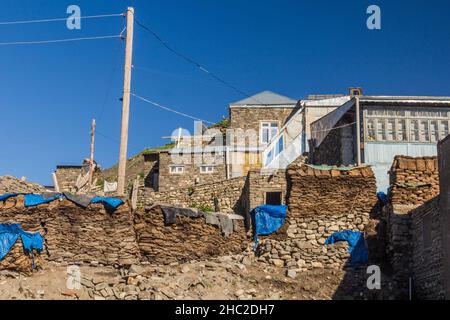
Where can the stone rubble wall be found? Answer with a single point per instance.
(228, 193)
(75, 235)
(188, 239)
(413, 180)
(321, 202)
(9, 184)
(428, 266)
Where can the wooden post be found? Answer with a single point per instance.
(358, 132)
(125, 104)
(91, 159)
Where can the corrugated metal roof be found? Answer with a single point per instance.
(265, 98)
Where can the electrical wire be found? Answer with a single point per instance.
(60, 19)
(334, 128)
(169, 109)
(193, 62)
(58, 40)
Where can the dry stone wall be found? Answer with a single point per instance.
(413, 180)
(188, 239)
(75, 235)
(321, 202)
(228, 194)
(427, 251)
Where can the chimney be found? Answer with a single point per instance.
(355, 91)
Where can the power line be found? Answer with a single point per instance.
(58, 40)
(169, 109)
(60, 19)
(191, 61)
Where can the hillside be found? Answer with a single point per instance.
(135, 166)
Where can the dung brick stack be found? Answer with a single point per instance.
(189, 239)
(322, 202)
(74, 235)
(413, 180)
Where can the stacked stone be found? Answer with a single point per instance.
(322, 202)
(315, 191)
(9, 184)
(227, 192)
(427, 259)
(18, 261)
(413, 180)
(75, 235)
(188, 239)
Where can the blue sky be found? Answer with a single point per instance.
(51, 92)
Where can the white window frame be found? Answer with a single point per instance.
(381, 115)
(205, 166)
(176, 169)
(270, 136)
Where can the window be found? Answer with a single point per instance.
(434, 131)
(268, 131)
(390, 129)
(406, 124)
(371, 129)
(176, 169)
(414, 130)
(424, 132)
(381, 136)
(206, 169)
(273, 198)
(401, 130)
(443, 130)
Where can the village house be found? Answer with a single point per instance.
(372, 130)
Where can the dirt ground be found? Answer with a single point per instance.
(230, 277)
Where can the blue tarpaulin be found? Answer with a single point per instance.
(109, 201)
(9, 233)
(356, 245)
(268, 219)
(32, 199)
(382, 197)
(8, 195)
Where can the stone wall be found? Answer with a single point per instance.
(192, 174)
(67, 177)
(228, 194)
(74, 235)
(427, 251)
(413, 180)
(246, 118)
(188, 239)
(321, 202)
(337, 147)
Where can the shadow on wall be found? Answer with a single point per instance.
(356, 281)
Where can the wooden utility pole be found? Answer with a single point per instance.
(91, 159)
(125, 103)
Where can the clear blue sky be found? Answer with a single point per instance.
(51, 92)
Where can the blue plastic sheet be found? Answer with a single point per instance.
(37, 199)
(108, 201)
(32, 199)
(268, 219)
(382, 197)
(7, 196)
(357, 247)
(9, 233)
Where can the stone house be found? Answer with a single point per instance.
(374, 129)
(254, 122)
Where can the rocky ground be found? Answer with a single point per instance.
(228, 277)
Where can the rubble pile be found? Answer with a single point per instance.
(189, 238)
(9, 184)
(413, 180)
